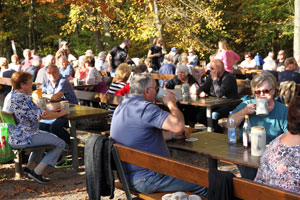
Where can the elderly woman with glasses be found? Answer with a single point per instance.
(263, 86)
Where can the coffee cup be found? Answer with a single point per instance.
(262, 107)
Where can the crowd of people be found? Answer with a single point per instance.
(137, 122)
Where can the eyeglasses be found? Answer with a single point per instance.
(262, 91)
(156, 89)
(246, 56)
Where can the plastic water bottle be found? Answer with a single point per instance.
(231, 129)
(246, 132)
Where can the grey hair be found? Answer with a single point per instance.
(183, 68)
(139, 83)
(260, 78)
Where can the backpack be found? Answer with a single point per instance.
(288, 90)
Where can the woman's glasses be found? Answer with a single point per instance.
(262, 91)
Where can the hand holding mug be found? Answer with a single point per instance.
(250, 108)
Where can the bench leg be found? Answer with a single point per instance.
(18, 164)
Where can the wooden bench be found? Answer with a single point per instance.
(243, 189)
(9, 118)
(162, 76)
(109, 98)
(86, 95)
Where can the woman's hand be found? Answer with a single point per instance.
(250, 109)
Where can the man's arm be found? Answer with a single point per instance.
(54, 97)
(175, 120)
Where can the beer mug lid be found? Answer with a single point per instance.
(258, 127)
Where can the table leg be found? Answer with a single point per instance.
(212, 163)
(74, 147)
(209, 120)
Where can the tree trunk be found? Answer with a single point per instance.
(97, 33)
(297, 29)
(99, 44)
(31, 33)
(158, 23)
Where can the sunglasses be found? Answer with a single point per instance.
(262, 91)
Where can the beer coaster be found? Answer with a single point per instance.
(191, 139)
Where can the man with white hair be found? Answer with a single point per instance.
(269, 57)
(138, 122)
(42, 75)
(220, 84)
(101, 63)
(270, 66)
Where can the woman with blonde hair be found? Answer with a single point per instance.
(122, 74)
(228, 56)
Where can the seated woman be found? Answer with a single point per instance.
(81, 71)
(263, 86)
(93, 77)
(122, 74)
(26, 133)
(249, 62)
(280, 163)
(182, 77)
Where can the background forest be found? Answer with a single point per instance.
(248, 25)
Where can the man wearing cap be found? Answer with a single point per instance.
(117, 55)
(174, 53)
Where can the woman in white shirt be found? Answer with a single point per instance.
(249, 62)
(94, 76)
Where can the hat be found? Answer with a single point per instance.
(174, 49)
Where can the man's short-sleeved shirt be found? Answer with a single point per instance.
(275, 123)
(137, 123)
(62, 85)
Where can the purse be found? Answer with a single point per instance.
(6, 153)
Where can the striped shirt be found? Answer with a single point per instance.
(115, 86)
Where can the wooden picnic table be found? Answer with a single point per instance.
(215, 147)
(209, 103)
(78, 112)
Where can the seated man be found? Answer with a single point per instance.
(57, 88)
(65, 69)
(289, 74)
(220, 84)
(138, 123)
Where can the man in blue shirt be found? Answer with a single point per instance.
(65, 69)
(57, 88)
(138, 123)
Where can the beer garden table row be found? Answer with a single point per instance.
(215, 146)
(78, 112)
(209, 103)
